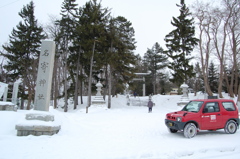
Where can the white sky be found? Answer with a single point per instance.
(150, 19)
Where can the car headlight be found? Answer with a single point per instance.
(179, 119)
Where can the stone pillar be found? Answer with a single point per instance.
(44, 76)
(5, 94)
(15, 92)
(144, 87)
(3, 91)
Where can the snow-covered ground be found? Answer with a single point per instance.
(122, 132)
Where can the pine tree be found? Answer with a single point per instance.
(93, 20)
(23, 51)
(180, 43)
(212, 77)
(67, 25)
(156, 61)
(120, 44)
(198, 83)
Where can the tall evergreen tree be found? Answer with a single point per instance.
(213, 77)
(156, 61)
(180, 43)
(120, 44)
(67, 25)
(23, 51)
(93, 19)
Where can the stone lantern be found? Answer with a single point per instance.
(184, 99)
(98, 100)
(99, 88)
(184, 87)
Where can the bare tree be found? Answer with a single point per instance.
(204, 21)
(219, 32)
(219, 35)
(232, 10)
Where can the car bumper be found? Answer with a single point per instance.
(174, 124)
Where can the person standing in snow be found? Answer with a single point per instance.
(150, 105)
(135, 94)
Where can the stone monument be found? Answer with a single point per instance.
(45, 125)
(3, 91)
(44, 76)
(15, 92)
(98, 100)
(4, 105)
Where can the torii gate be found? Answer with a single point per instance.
(142, 79)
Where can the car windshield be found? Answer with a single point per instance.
(193, 106)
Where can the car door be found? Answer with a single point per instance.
(211, 116)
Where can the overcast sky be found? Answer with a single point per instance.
(150, 18)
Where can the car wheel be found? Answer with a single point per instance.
(190, 130)
(172, 130)
(230, 127)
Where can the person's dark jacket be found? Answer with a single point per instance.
(150, 104)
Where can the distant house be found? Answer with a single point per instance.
(190, 90)
(174, 91)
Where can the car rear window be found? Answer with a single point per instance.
(229, 106)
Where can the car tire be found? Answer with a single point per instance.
(230, 127)
(190, 130)
(172, 130)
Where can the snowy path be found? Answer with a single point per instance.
(123, 132)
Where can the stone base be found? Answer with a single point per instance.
(36, 130)
(38, 124)
(8, 107)
(42, 117)
(98, 100)
(183, 101)
(138, 102)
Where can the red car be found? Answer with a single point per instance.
(204, 114)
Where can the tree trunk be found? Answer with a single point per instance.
(81, 85)
(55, 83)
(109, 86)
(106, 83)
(23, 93)
(65, 85)
(238, 99)
(236, 83)
(29, 98)
(76, 85)
(90, 79)
(221, 77)
(231, 94)
(207, 87)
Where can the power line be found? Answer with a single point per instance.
(9, 4)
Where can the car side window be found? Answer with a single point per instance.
(229, 106)
(211, 107)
